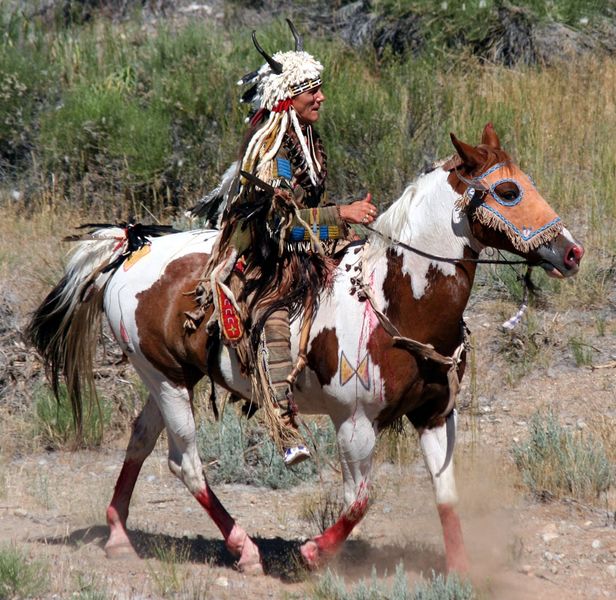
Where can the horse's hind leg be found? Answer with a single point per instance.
(146, 429)
(434, 444)
(356, 441)
(184, 462)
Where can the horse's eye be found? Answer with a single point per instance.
(507, 192)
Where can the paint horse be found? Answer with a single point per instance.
(405, 289)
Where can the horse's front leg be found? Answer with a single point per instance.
(434, 443)
(184, 462)
(356, 441)
(146, 429)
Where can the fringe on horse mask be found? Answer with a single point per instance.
(496, 198)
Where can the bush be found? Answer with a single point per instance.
(438, 587)
(19, 576)
(236, 450)
(556, 462)
(55, 424)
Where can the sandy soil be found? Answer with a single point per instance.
(53, 505)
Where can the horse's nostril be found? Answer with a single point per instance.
(574, 255)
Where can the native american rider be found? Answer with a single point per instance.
(270, 261)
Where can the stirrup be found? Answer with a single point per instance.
(295, 455)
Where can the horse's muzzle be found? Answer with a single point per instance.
(562, 256)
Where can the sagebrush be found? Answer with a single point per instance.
(558, 462)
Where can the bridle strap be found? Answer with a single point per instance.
(453, 261)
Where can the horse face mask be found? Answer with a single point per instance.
(505, 198)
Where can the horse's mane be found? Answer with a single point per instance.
(391, 223)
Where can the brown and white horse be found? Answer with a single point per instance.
(356, 372)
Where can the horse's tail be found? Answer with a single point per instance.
(65, 327)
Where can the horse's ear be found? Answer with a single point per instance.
(489, 137)
(469, 154)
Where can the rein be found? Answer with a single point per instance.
(453, 261)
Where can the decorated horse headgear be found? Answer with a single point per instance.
(496, 197)
(273, 87)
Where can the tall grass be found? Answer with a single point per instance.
(117, 121)
(55, 424)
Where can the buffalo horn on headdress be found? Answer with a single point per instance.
(274, 64)
(299, 42)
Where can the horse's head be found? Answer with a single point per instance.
(505, 209)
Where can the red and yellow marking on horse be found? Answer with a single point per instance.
(136, 256)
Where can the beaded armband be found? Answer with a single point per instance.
(322, 232)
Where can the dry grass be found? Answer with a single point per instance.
(172, 578)
(321, 510)
(398, 445)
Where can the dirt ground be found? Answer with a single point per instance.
(53, 504)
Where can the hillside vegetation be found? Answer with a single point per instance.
(135, 114)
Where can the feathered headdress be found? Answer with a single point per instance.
(282, 77)
(272, 88)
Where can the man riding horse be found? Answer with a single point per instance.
(278, 230)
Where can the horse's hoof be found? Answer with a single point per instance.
(117, 551)
(310, 553)
(250, 568)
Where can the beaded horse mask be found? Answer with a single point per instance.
(504, 198)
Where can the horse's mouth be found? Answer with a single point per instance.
(561, 258)
(554, 272)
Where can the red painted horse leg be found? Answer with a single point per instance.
(455, 553)
(236, 539)
(118, 545)
(324, 546)
(146, 429)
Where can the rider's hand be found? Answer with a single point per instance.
(361, 211)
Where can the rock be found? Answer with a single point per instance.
(548, 537)
(611, 569)
(596, 544)
(20, 512)
(222, 582)
(526, 569)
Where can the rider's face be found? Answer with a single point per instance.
(307, 105)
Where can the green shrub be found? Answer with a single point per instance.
(55, 424)
(558, 462)
(438, 587)
(236, 450)
(581, 350)
(20, 577)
